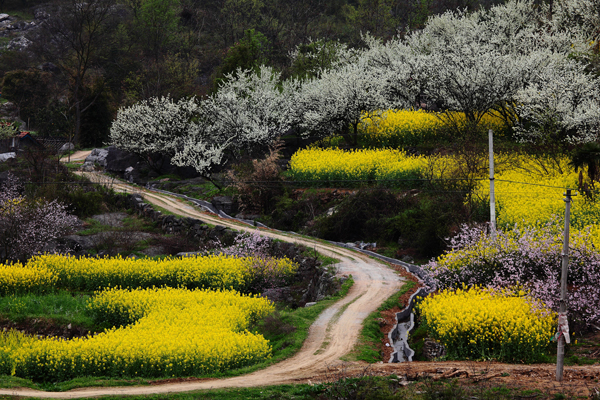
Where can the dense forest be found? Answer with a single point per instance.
(81, 62)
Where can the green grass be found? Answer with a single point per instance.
(370, 335)
(63, 308)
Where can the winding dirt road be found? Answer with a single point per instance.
(333, 334)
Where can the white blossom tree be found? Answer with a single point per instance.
(251, 109)
(156, 125)
(562, 103)
(341, 98)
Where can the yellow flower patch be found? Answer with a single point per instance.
(171, 332)
(483, 324)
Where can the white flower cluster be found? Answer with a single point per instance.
(516, 58)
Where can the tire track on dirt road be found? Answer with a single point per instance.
(332, 335)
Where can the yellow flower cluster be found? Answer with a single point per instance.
(10, 342)
(521, 200)
(480, 323)
(397, 128)
(340, 168)
(16, 279)
(211, 271)
(173, 332)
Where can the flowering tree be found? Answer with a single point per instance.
(340, 98)
(156, 125)
(27, 225)
(562, 103)
(250, 110)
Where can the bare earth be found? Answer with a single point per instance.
(335, 332)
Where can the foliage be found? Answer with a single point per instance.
(29, 90)
(265, 271)
(486, 324)
(156, 125)
(526, 256)
(310, 59)
(247, 54)
(341, 98)
(402, 128)
(258, 183)
(26, 226)
(17, 279)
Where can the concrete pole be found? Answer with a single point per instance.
(492, 192)
(560, 350)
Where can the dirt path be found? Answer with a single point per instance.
(335, 333)
(80, 155)
(330, 337)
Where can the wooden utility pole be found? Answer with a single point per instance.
(562, 314)
(492, 193)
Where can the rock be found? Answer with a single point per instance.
(49, 67)
(4, 17)
(310, 304)
(18, 44)
(87, 167)
(8, 107)
(40, 14)
(97, 156)
(66, 147)
(226, 204)
(408, 259)
(433, 350)
(118, 160)
(7, 156)
(129, 174)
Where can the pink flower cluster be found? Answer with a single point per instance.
(528, 257)
(267, 271)
(27, 225)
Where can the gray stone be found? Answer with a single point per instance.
(87, 167)
(225, 203)
(7, 156)
(97, 156)
(111, 219)
(66, 147)
(19, 44)
(118, 160)
(433, 350)
(4, 17)
(310, 304)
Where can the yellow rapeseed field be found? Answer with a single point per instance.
(170, 332)
(17, 279)
(340, 168)
(485, 324)
(211, 271)
(398, 128)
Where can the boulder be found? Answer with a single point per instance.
(4, 17)
(7, 156)
(66, 147)
(118, 160)
(97, 157)
(19, 44)
(226, 204)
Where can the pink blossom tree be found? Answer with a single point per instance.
(26, 226)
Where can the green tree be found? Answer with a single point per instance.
(248, 54)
